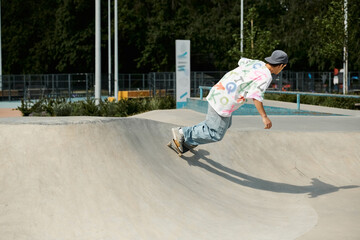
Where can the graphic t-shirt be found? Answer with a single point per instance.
(249, 80)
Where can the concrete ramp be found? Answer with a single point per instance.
(97, 178)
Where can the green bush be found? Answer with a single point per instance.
(62, 109)
(111, 109)
(88, 107)
(25, 108)
(43, 107)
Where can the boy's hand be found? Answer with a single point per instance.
(259, 106)
(267, 122)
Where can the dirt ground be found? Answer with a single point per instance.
(8, 112)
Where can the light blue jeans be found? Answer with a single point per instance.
(213, 129)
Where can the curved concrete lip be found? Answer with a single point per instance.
(114, 178)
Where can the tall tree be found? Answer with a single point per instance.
(75, 36)
(58, 35)
(296, 29)
(27, 36)
(354, 34)
(326, 52)
(258, 40)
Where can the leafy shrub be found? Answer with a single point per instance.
(88, 107)
(109, 109)
(43, 107)
(62, 109)
(25, 108)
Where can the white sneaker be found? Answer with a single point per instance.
(178, 138)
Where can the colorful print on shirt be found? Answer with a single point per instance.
(249, 80)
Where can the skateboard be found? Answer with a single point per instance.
(173, 146)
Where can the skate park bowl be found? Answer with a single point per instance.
(115, 178)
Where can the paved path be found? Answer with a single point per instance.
(9, 112)
(114, 178)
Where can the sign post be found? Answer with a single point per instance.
(183, 71)
(97, 51)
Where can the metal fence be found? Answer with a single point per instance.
(35, 86)
(314, 82)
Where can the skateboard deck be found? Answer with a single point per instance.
(173, 146)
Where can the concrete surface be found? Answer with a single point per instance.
(115, 178)
(185, 117)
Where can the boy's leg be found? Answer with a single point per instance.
(211, 130)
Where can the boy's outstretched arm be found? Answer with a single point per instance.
(259, 106)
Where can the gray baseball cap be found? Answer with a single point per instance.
(278, 57)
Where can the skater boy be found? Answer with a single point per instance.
(248, 81)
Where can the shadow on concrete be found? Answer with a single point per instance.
(314, 190)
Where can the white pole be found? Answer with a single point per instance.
(0, 53)
(109, 44)
(241, 27)
(346, 62)
(97, 51)
(116, 72)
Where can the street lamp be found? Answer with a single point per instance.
(346, 61)
(109, 45)
(97, 51)
(241, 26)
(116, 72)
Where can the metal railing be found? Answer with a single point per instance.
(35, 86)
(298, 94)
(15, 87)
(314, 82)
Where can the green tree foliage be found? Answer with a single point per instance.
(313, 33)
(27, 29)
(354, 34)
(74, 36)
(208, 24)
(258, 43)
(296, 29)
(329, 32)
(58, 35)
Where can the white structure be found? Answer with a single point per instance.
(182, 56)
